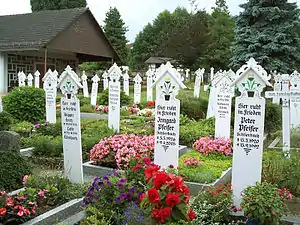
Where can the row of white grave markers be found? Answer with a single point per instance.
(71, 131)
(137, 89)
(22, 78)
(94, 93)
(167, 114)
(248, 128)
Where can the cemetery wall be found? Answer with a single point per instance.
(27, 64)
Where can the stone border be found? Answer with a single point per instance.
(59, 213)
(27, 152)
(276, 141)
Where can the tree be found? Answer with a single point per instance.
(218, 53)
(115, 30)
(268, 31)
(39, 5)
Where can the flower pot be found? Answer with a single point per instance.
(250, 94)
(69, 96)
(167, 97)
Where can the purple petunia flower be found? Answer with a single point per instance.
(119, 185)
(101, 184)
(123, 195)
(108, 183)
(37, 126)
(118, 200)
(122, 180)
(105, 177)
(131, 191)
(46, 123)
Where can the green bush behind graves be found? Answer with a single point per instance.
(5, 121)
(193, 130)
(26, 104)
(13, 168)
(103, 98)
(47, 146)
(273, 117)
(194, 108)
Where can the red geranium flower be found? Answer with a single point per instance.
(147, 161)
(2, 211)
(150, 171)
(160, 215)
(160, 179)
(172, 199)
(192, 214)
(153, 196)
(142, 196)
(136, 168)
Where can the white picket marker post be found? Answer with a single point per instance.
(105, 80)
(149, 75)
(37, 79)
(167, 116)
(285, 94)
(277, 86)
(248, 128)
(187, 74)
(212, 74)
(94, 93)
(85, 85)
(126, 81)
(198, 81)
(71, 131)
(137, 89)
(50, 87)
(295, 101)
(21, 79)
(29, 80)
(224, 93)
(114, 98)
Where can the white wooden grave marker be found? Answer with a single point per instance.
(224, 94)
(198, 81)
(37, 79)
(149, 75)
(137, 89)
(29, 80)
(50, 87)
(277, 86)
(85, 85)
(94, 93)
(71, 131)
(295, 101)
(187, 74)
(248, 128)
(114, 98)
(167, 114)
(105, 80)
(1, 106)
(21, 79)
(126, 81)
(212, 74)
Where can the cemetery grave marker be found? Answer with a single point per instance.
(21, 79)
(295, 101)
(1, 106)
(71, 131)
(105, 80)
(198, 81)
(50, 87)
(167, 116)
(277, 86)
(85, 85)
(37, 79)
(248, 128)
(137, 89)
(286, 94)
(224, 94)
(9, 141)
(114, 98)
(126, 81)
(29, 80)
(149, 75)
(94, 93)
(187, 74)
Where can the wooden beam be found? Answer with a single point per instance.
(45, 60)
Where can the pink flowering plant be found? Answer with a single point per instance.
(101, 108)
(117, 150)
(134, 109)
(23, 206)
(191, 162)
(207, 145)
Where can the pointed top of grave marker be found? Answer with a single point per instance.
(37, 73)
(105, 75)
(68, 75)
(84, 76)
(169, 70)
(138, 78)
(96, 78)
(48, 74)
(114, 72)
(30, 77)
(21, 74)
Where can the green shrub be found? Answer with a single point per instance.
(95, 217)
(273, 117)
(26, 104)
(103, 98)
(23, 127)
(13, 168)
(193, 130)
(194, 108)
(5, 121)
(50, 129)
(83, 100)
(88, 108)
(295, 138)
(282, 171)
(47, 146)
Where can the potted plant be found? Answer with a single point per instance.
(24, 128)
(263, 204)
(167, 89)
